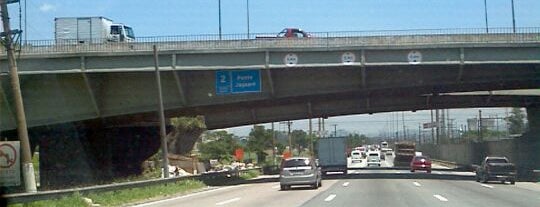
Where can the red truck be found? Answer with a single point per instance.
(287, 33)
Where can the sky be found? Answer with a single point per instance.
(183, 17)
(193, 17)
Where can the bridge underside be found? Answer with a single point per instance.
(299, 92)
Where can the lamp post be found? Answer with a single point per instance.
(513, 18)
(247, 13)
(219, 18)
(485, 14)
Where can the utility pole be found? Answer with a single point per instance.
(497, 126)
(323, 127)
(397, 125)
(403, 124)
(335, 129)
(310, 137)
(419, 133)
(22, 131)
(162, 131)
(432, 128)
(443, 125)
(480, 135)
(437, 125)
(289, 123)
(273, 144)
(319, 120)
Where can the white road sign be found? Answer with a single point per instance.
(10, 167)
(290, 59)
(414, 57)
(348, 58)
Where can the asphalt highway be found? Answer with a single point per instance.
(409, 189)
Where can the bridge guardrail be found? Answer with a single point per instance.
(319, 39)
(55, 194)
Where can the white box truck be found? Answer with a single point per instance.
(90, 30)
(332, 154)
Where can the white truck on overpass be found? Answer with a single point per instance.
(90, 30)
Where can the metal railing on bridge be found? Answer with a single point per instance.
(318, 39)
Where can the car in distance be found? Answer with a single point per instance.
(373, 159)
(356, 156)
(287, 33)
(299, 171)
(421, 163)
(362, 150)
(496, 168)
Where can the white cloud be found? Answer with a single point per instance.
(47, 7)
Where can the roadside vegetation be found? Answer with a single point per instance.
(250, 174)
(121, 197)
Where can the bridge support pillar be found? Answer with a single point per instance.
(527, 148)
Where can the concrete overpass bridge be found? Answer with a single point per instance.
(246, 81)
(66, 83)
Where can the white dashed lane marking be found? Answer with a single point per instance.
(330, 197)
(440, 198)
(417, 184)
(228, 201)
(345, 184)
(487, 186)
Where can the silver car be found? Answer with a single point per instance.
(299, 171)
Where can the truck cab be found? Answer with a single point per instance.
(121, 33)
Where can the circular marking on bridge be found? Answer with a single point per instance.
(290, 59)
(8, 155)
(348, 58)
(414, 57)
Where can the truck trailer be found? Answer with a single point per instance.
(404, 153)
(332, 154)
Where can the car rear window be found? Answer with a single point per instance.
(496, 160)
(355, 153)
(296, 163)
(420, 157)
(373, 154)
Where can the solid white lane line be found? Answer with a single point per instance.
(417, 184)
(487, 186)
(186, 196)
(228, 201)
(345, 184)
(440, 198)
(330, 197)
(440, 173)
(398, 172)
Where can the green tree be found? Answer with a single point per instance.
(355, 140)
(218, 145)
(185, 133)
(516, 121)
(300, 138)
(260, 139)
